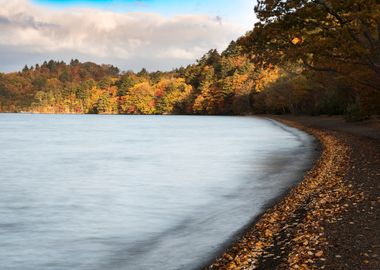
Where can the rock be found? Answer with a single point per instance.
(319, 253)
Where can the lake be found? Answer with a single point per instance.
(90, 192)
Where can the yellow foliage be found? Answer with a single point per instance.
(266, 77)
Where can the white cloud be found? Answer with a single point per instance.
(131, 40)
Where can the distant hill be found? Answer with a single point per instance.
(302, 57)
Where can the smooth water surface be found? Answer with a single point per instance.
(90, 192)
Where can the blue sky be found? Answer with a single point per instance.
(131, 34)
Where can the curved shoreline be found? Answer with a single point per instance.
(309, 160)
(296, 232)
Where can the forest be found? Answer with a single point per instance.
(302, 57)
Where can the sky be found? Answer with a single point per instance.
(130, 34)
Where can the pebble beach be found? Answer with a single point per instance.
(331, 220)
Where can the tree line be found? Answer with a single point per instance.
(303, 56)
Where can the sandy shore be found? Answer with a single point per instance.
(331, 220)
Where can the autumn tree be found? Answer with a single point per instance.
(126, 82)
(338, 37)
(172, 96)
(139, 100)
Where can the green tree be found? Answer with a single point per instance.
(126, 82)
